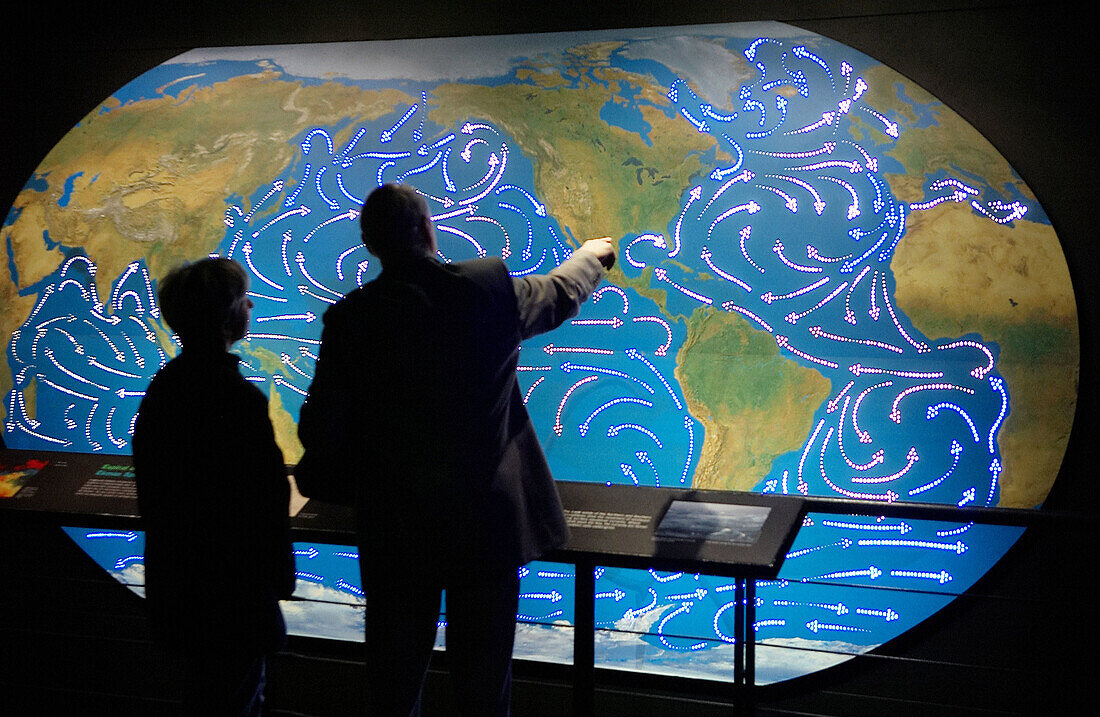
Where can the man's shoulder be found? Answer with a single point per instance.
(488, 270)
(490, 275)
(489, 266)
(412, 293)
(345, 306)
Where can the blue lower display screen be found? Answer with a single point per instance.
(812, 616)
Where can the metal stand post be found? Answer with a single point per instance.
(584, 628)
(744, 653)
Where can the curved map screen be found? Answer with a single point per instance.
(829, 284)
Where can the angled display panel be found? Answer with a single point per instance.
(828, 284)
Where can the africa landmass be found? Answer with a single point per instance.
(950, 252)
(1013, 280)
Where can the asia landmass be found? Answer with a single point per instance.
(150, 178)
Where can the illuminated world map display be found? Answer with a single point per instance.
(828, 284)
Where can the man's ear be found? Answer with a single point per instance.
(427, 234)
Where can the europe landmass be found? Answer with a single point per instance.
(150, 179)
(959, 273)
(754, 403)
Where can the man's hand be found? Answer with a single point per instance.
(603, 249)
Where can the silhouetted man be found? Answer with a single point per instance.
(415, 416)
(214, 497)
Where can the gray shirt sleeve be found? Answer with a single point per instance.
(547, 300)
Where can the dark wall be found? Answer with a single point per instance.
(1021, 72)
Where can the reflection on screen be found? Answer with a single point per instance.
(721, 522)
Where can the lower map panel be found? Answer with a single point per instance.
(676, 624)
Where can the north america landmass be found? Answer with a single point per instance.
(151, 178)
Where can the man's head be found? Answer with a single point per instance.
(205, 302)
(395, 222)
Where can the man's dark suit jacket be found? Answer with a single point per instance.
(416, 417)
(213, 493)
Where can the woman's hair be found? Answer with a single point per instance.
(203, 301)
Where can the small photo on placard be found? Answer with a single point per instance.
(718, 522)
(12, 479)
